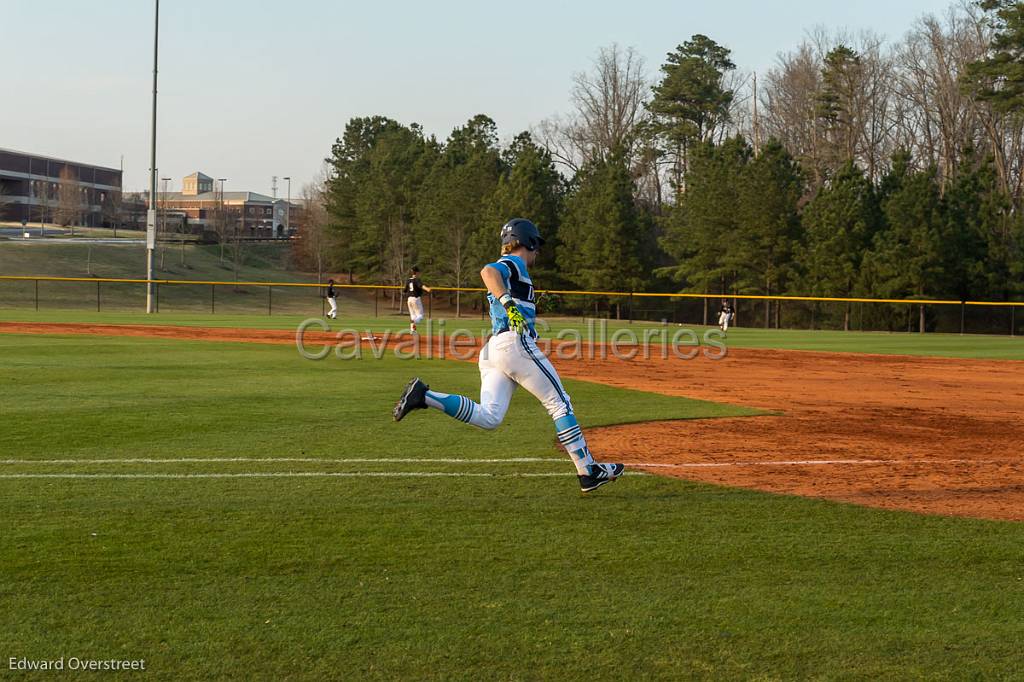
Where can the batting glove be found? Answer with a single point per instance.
(516, 321)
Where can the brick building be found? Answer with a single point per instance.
(37, 188)
(202, 198)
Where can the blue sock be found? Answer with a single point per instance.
(570, 435)
(457, 406)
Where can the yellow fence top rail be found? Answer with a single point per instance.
(618, 294)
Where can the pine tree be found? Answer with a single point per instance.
(603, 232)
(987, 232)
(973, 210)
(691, 101)
(999, 78)
(453, 200)
(906, 256)
(377, 169)
(839, 224)
(703, 228)
(842, 76)
(768, 224)
(529, 188)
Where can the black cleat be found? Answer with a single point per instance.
(599, 475)
(413, 398)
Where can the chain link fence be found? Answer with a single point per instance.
(782, 312)
(289, 298)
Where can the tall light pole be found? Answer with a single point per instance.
(288, 210)
(151, 214)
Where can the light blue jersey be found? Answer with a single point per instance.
(517, 281)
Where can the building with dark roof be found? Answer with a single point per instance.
(36, 188)
(202, 199)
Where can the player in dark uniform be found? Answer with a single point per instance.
(414, 289)
(332, 299)
(725, 315)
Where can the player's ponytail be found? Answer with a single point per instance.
(510, 247)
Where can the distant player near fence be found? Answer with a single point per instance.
(725, 315)
(332, 299)
(414, 289)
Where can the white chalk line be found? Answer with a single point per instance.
(398, 460)
(791, 462)
(291, 474)
(276, 460)
(452, 460)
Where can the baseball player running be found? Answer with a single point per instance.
(414, 290)
(332, 298)
(511, 358)
(725, 315)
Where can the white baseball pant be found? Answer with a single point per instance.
(415, 304)
(509, 360)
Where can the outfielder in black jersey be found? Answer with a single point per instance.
(725, 315)
(414, 289)
(332, 299)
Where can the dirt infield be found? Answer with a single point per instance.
(933, 435)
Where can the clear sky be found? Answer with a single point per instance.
(251, 89)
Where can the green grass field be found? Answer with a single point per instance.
(128, 261)
(285, 307)
(261, 262)
(330, 568)
(946, 345)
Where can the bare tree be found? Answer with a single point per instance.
(313, 240)
(112, 203)
(608, 108)
(855, 99)
(555, 133)
(236, 224)
(832, 101)
(69, 199)
(1003, 135)
(5, 199)
(788, 100)
(183, 232)
(220, 221)
(874, 104)
(740, 119)
(133, 210)
(936, 118)
(610, 101)
(841, 97)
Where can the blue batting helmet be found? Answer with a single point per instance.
(523, 231)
